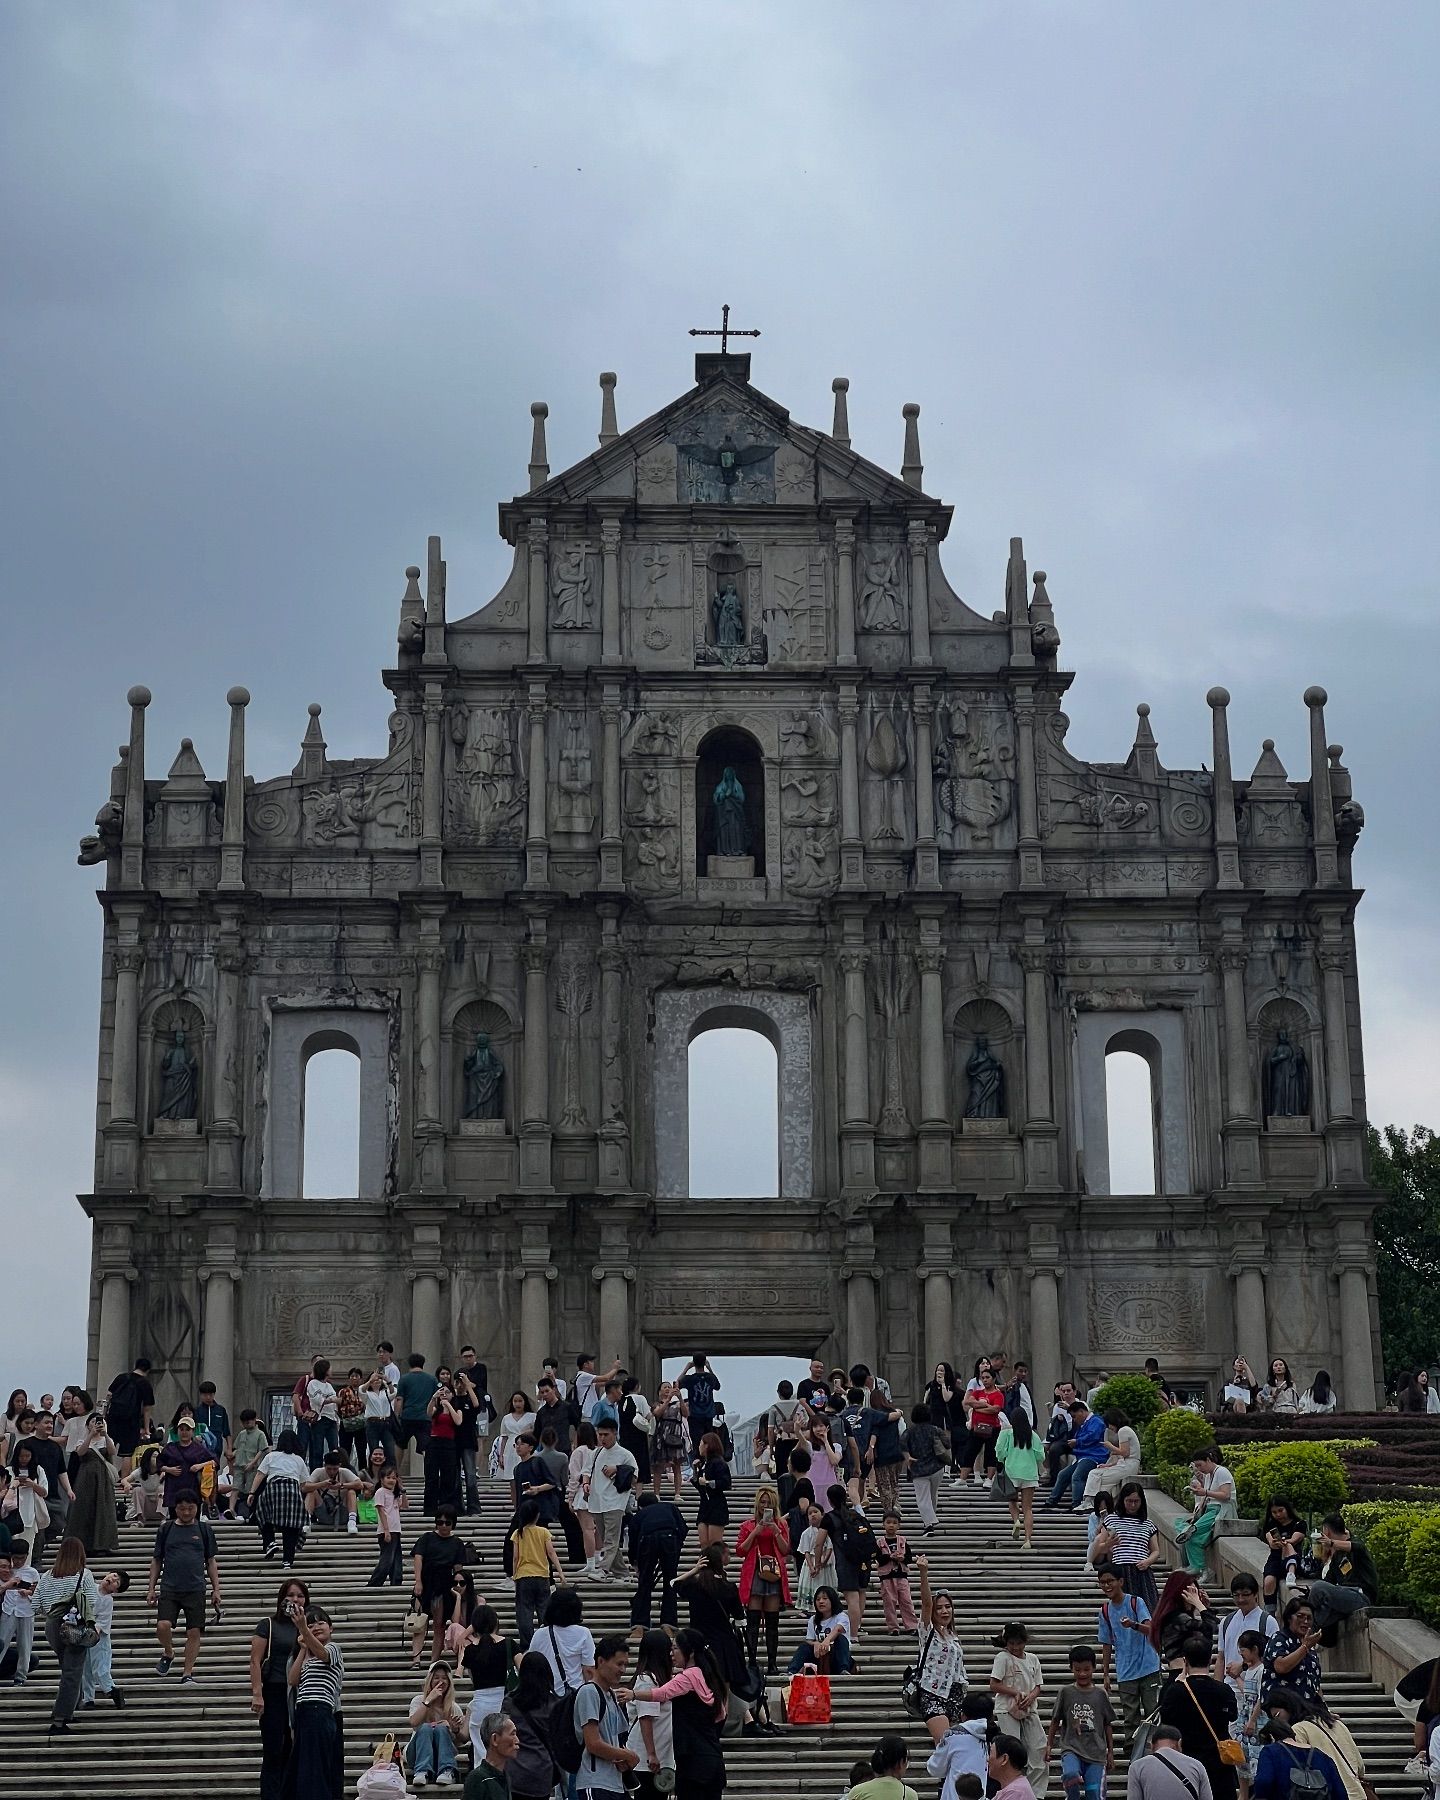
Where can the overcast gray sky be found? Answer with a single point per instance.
(281, 280)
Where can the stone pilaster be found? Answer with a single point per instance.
(536, 1273)
(927, 856)
(1353, 1257)
(937, 1259)
(1344, 1131)
(224, 1139)
(852, 848)
(537, 839)
(917, 537)
(122, 1129)
(1032, 868)
(935, 1158)
(1252, 1334)
(612, 872)
(431, 848)
(614, 1132)
(610, 652)
(1242, 1126)
(219, 1272)
(857, 1132)
(535, 1109)
(537, 538)
(858, 1272)
(845, 591)
(115, 1274)
(1041, 1133)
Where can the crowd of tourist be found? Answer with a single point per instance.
(588, 1473)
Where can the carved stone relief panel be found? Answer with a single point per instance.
(572, 797)
(1146, 1317)
(346, 1318)
(973, 759)
(485, 789)
(886, 771)
(882, 601)
(574, 584)
(796, 608)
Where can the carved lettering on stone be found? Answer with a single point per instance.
(728, 1296)
(337, 1322)
(1166, 1314)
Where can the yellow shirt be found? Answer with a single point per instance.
(532, 1544)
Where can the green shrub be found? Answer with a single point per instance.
(1389, 1536)
(1310, 1476)
(1177, 1437)
(1422, 1559)
(1175, 1479)
(1135, 1395)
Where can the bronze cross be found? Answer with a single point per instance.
(724, 333)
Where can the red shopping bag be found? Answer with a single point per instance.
(809, 1700)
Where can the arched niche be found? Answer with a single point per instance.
(491, 1018)
(297, 1034)
(1158, 1036)
(170, 1016)
(1287, 1014)
(987, 1019)
(681, 1014)
(729, 747)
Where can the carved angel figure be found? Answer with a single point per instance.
(728, 460)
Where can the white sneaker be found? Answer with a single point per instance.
(351, 1525)
(446, 1778)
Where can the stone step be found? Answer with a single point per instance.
(992, 1578)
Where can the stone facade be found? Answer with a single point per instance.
(918, 865)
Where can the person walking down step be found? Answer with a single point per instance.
(185, 1556)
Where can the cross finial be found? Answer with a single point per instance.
(725, 332)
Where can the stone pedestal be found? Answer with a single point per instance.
(985, 1127)
(482, 1128)
(1298, 1127)
(175, 1128)
(730, 868)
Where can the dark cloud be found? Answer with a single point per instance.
(280, 283)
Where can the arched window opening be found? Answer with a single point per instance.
(734, 1113)
(330, 1116)
(727, 759)
(1131, 1113)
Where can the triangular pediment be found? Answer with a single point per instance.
(725, 443)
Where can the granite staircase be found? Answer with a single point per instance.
(201, 1740)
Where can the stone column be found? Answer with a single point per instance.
(217, 1350)
(430, 960)
(1322, 807)
(1356, 1344)
(610, 591)
(612, 874)
(936, 1259)
(614, 1133)
(917, 535)
(1027, 792)
(430, 789)
(857, 1135)
(124, 1050)
(1339, 1088)
(614, 1286)
(537, 843)
(845, 591)
(232, 838)
(1045, 1352)
(852, 849)
(535, 1343)
(537, 536)
(535, 1093)
(223, 1171)
(860, 1318)
(1227, 848)
(1252, 1336)
(113, 1352)
(425, 1314)
(936, 1169)
(1242, 1127)
(1041, 1133)
(927, 856)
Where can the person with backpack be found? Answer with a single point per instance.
(590, 1727)
(128, 1406)
(854, 1539)
(185, 1554)
(531, 1703)
(1289, 1771)
(667, 1447)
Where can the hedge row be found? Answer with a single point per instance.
(1403, 1538)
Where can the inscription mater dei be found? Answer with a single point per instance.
(684, 1296)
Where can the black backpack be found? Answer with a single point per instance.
(857, 1540)
(565, 1746)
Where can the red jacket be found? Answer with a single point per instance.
(755, 1540)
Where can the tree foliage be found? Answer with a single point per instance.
(1405, 1167)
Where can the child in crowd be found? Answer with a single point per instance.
(17, 1607)
(1249, 1717)
(817, 1558)
(860, 1771)
(251, 1443)
(1083, 1724)
(389, 1498)
(892, 1554)
(97, 1678)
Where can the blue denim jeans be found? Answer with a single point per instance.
(432, 1749)
(324, 1435)
(1073, 1478)
(1081, 1777)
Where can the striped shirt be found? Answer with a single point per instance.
(1133, 1537)
(322, 1679)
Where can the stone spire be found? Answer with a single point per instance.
(539, 456)
(232, 834)
(840, 430)
(1145, 755)
(1322, 808)
(1043, 632)
(434, 602)
(1227, 852)
(609, 430)
(411, 635)
(312, 747)
(912, 470)
(132, 836)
